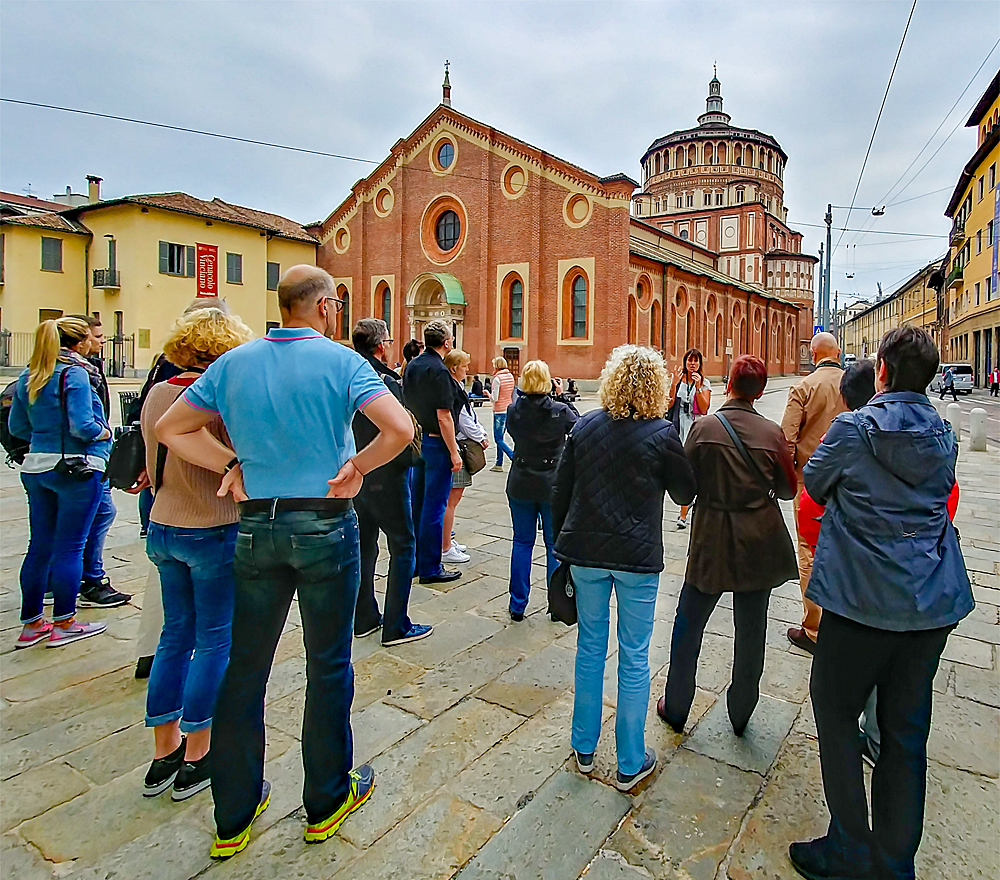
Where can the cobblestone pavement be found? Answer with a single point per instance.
(469, 735)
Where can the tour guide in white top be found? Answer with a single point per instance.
(287, 401)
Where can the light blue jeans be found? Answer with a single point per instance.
(636, 602)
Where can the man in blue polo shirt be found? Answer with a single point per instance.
(288, 401)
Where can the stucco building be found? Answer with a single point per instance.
(530, 256)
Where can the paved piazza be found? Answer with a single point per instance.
(469, 735)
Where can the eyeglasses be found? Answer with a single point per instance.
(338, 303)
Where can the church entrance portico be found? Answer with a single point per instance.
(436, 296)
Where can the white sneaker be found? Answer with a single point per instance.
(681, 523)
(461, 547)
(453, 554)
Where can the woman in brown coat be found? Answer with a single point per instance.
(739, 543)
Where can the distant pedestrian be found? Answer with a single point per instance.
(607, 512)
(995, 382)
(948, 384)
(57, 409)
(692, 394)
(287, 402)
(501, 393)
(892, 583)
(192, 537)
(384, 504)
(477, 389)
(538, 424)
(739, 543)
(410, 350)
(812, 404)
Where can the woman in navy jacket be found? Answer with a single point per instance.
(57, 409)
(891, 580)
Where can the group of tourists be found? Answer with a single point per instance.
(273, 464)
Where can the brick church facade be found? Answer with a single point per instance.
(529, 256)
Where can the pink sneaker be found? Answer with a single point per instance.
(32, 635)
(74, 632)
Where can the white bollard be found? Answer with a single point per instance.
(955, 417)
(977, 429)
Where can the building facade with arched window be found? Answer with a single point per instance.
(528, 256)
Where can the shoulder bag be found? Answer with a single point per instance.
(473, 455)
(750, 463)
(562, 595)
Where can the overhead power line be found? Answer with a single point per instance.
(885, 97)
(875, 231)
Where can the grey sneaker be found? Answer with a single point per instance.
(585, 763)
(627, 783)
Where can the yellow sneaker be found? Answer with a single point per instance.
(225, 849)
(362, 785)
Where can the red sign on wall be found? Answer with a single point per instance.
(207, 269)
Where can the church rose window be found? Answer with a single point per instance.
(446, 155)
(449, 228)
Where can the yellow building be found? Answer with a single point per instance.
(913, 302)
(137, 262)
(971, 295)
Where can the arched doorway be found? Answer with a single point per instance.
(436, 295)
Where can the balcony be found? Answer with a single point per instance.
(957, 233)
(954, 278)
(108, 279)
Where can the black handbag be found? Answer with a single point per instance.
(127, 460)
(473, 455)
(562, 595)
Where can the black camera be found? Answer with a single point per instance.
(75, 467)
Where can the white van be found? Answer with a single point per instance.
(850, 359)
(963, 378)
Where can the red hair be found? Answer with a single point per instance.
(747, 377)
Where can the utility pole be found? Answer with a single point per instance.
(826, 282)
(818, 316)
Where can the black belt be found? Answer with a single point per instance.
(275, 506)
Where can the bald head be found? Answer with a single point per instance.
(301, 287)
(824, 347)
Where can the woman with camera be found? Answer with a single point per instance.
(539, 422)
(192, 539)
(56, 408)
(692, 394)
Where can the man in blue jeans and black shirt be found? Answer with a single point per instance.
(287, 402)
(429, 392)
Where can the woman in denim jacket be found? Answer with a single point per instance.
(58, 411)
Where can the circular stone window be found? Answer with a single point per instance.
(448, 230)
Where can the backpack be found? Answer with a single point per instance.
(15, 447)
(127, 460)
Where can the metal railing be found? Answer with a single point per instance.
(954, 276)
(119, 355)
(107, 278)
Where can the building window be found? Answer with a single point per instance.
(718, 198)
(655, 326)
(514, 308)
(345, 312)
(690, 200)
(575, 305)
(977, 293)
(979, 241)
(449, 228)
(234, 268)
(51, 254)
(707, 198)
(387, 307)
(446, 154)
(989, 235)
(273, 275)
(982, 187)
(993, 175)
(680, 201)
(176, 259)
(685, 235)
(740, 193)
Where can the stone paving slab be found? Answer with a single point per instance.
(554, 836)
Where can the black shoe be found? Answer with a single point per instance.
(627, 783)
(817, 860)
(194, 776)
(518, 616)
(443, 576)
(800, 638)
(163, 771)
(360, 633)
(100, 594)
(868, 753)
(661, 710)
(143, 666)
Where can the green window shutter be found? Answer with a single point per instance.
(164, 257)
(189, 252)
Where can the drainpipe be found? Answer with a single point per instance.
(86, 277)
(747, 339)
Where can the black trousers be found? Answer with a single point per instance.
(949, 390)
(693, 611)
(850, 660)
(384, 503)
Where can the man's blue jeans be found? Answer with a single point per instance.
(60, 513)
(499, 428)
(315, 555)
(196, 582)
(524, 516)
(437, 486)
(93, 552)
(636, 603)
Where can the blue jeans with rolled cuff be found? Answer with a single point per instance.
(196, 583)
(524, 515)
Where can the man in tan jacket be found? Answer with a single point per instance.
(813, 403)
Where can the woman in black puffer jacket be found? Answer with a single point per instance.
(539, 425)
(607, 510)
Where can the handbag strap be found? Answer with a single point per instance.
(750, 463)
(63, 412)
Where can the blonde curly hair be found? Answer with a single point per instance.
(634, 383)
(200, 336)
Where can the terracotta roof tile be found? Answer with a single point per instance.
(30, 202)
(47, 221)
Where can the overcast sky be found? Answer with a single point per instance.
(594, 83)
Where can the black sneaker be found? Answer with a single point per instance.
(627, 783)
(163, 771)
(100, 594)
(194, 776)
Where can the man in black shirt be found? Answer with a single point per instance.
(429, 393)
(384, 503)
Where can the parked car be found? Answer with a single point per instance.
(850, 359)
(963, 378)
